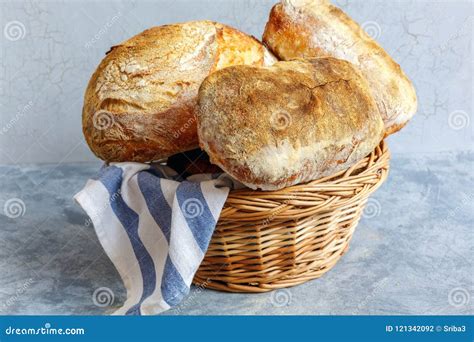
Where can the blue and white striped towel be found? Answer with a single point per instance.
(155, 227)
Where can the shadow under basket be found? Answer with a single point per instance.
(274, 239)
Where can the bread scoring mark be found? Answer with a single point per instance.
(232, 51)
(130, 66)
(239, 107)
(149, 85)
(206, 41)
(115, 76)
(112, 104)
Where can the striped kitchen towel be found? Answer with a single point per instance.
(155, 227)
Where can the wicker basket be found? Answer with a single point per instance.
(269, 240)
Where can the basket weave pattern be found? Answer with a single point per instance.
(269, 240)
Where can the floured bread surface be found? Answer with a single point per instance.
(315, 28)
(296, 121)
(140, 102)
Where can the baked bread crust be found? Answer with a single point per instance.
(140, 102)
(273, 127)
(315, 28)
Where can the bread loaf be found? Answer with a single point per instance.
(141, 100)
(272, 127)
(315, 28)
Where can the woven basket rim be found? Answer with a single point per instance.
(266, 240)
(337, 178)
(343, 187)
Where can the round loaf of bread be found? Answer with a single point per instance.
(140, 102)
(315, 28)
(272, 127)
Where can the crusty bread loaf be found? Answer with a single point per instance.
(272, 127)
(315, 28)
(141, 100)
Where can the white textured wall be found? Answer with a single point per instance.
(50, 48)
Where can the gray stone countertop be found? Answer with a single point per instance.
(411, 254)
